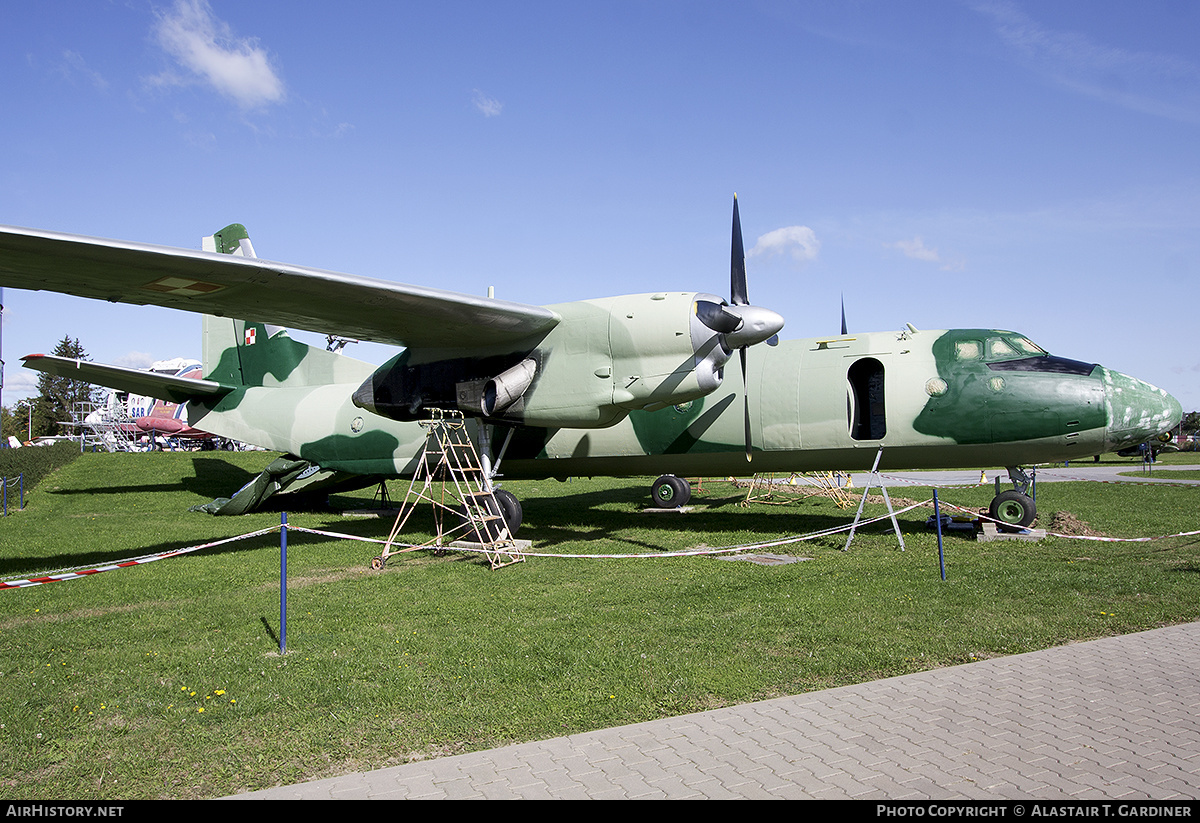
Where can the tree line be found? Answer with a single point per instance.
(56, 398)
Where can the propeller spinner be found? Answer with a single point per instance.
(740, 324)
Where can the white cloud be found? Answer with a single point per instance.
(205, 47)
(798, 242)
(1154, 83)
(73, 65)
(135, 360)
(487, 106)
(916, 249)
(18, 384)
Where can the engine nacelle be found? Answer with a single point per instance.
(662, 352)
(604, 359)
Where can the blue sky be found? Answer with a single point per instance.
(1010, 164)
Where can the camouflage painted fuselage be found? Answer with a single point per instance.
(946, 399)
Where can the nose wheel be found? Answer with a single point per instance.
(1014, 507)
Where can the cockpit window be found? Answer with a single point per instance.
(998, 348)
(968, 349)
(1028, 346)
(1014, 353)
(1012, 345)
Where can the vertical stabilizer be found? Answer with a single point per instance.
(233, 239)
(247, 353)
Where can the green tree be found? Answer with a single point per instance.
(58, 396)
(8, 426)
(1191, 423)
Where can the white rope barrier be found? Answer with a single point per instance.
(86, 571)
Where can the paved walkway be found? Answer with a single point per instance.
(1083, 470)
(1109, 719)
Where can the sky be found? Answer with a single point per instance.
(946, 163)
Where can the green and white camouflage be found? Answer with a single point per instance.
(632, 385)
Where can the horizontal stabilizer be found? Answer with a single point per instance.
(151, 384)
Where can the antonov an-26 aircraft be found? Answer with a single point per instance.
(642, 384)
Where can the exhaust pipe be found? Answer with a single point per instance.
(508, 387)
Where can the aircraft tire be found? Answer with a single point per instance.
(1011, 508)
(670, 492)
(510, 507)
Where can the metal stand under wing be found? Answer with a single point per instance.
(875, 480)
(763, 488)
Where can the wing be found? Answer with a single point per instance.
(150, 384)
(260, 290)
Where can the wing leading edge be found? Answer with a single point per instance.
(277, 293)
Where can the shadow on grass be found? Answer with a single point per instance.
(620, 517)
(213, 477)
(624, 517)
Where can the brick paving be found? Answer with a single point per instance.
(1117, 718)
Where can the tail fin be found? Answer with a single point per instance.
(246, 353)
(233, 239)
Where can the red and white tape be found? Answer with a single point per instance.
(76, 573)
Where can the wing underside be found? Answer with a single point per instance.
(251, 288)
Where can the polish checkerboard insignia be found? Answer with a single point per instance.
(182, 286)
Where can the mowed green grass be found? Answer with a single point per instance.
(165, 680)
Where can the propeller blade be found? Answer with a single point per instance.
(755, 324)
(746, 402)
(737, 263)
(718, 317)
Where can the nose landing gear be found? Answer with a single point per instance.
(1014, 508)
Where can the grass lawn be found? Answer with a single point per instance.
(165, 680)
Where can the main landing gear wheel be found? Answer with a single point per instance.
(499, 503)
(510, 507)
(670, 492)
(1011, 508)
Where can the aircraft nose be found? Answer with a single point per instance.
(1137, 411)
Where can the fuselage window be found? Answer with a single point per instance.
(868, 420)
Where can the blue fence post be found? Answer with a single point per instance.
(283, 584)
(937, 515)
(4, 483)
